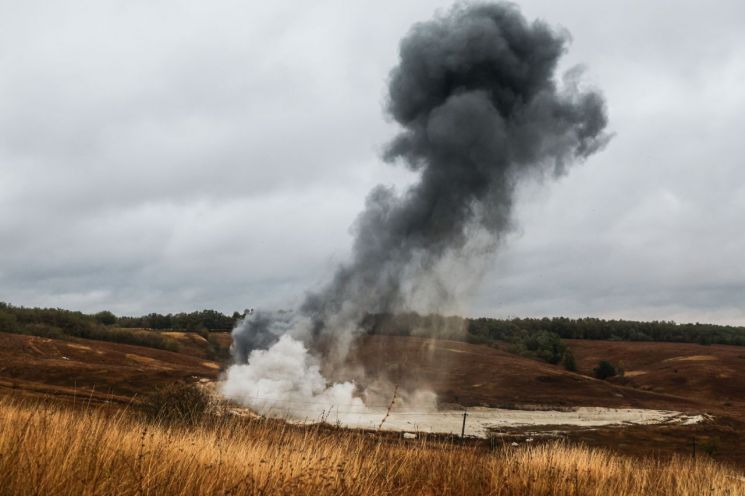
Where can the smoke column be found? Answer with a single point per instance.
(480, 109)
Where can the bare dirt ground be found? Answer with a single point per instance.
(484, 422)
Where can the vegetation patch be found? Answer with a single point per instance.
(56, 323)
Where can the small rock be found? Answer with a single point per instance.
(409, 435)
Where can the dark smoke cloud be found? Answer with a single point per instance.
(480, 108)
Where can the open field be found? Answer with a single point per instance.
(53, 449)
(462, 375)
(710, 374)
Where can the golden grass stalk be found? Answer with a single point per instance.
(51, 449)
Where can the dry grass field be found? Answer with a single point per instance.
(50, 448)
(684, 377)
(96, 370)
(710, 374)
(481, 375)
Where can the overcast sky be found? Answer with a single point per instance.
(171, 156)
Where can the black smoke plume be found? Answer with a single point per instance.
(480, 107)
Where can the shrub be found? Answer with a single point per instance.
(204, 332)
(179, 403)
(568, 361)
(8, 322)
(42, 330)
(139, 338)
(604, 370)
(710, 446)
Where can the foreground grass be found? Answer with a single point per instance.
(49, 449)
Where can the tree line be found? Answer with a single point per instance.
(612, 330)
(542, 339)
(490, 330)
(536, 337)
(57, 323)
(211, 320)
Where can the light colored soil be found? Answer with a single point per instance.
(480, 422)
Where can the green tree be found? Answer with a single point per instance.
(105, 318)
(568, 361)
(604, 370)
(541, 344)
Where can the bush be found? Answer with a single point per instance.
(179, 403)
(604, 370)
(42, 330)
(8, 322)
(568, 361)
(710, 446)
(204, 332)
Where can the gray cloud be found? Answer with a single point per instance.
(157, 157)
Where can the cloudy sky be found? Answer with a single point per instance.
(171, 156)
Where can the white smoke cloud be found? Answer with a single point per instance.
(285, 381)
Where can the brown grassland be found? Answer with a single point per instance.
(50, 444)
(52, 448)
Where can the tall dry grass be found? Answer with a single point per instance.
(50, 449)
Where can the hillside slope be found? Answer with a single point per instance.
(97, 370)
(686, 377)
(710, 374)
(479, 375)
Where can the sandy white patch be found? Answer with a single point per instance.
(692, 358)
(634, 373)
(480, 422)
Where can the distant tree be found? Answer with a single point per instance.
(105, 318)
(568, 361)
(159, 321)
(619, 330)
(543, 345)
(604, 370)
